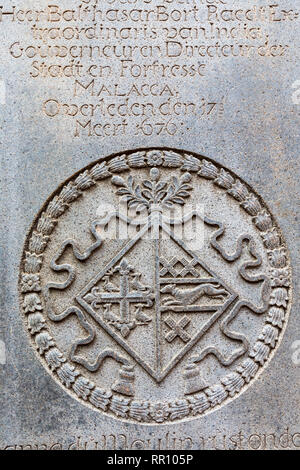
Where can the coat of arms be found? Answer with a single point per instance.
(149, 310)
(158, 320)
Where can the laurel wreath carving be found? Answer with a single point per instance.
(279, 271)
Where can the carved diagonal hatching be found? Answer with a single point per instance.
(33, 300)
(189, 267)
(177, 329)
(168, 267)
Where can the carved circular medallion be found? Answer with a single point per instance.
(155, 285)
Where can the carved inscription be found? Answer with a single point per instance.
(140, 67)
(285, 439)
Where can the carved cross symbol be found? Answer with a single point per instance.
(177, 329)
(125, 297)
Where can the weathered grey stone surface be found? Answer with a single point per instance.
(207, 92)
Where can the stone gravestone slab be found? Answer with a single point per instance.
(150, 250)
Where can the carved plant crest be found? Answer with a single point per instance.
(153, 192)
